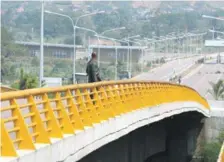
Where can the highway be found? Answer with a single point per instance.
(199, 78)
(165, 71)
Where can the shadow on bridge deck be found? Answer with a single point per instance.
(171, 140)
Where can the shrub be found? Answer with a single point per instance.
(210, 151)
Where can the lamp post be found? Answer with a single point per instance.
(151, 42)
(142, 54)
(41, 73)
(90, 30)
(74, 33)
(212, 17)
(131, 54)
(130, 51)
(215, 31)
(113, 39)
(99, 39)
(121, 28)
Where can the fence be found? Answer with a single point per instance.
(35, 116)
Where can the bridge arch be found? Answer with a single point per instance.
(72, 121)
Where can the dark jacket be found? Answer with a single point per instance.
(92, 71)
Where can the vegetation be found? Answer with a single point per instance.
(217, 90)
(210, 151)
(9, 51)
(25, 26)
(148, 22)
(26, 81)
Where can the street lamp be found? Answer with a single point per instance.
(74, 33)
(41, 73)
(121, 28)
(142, 53)
(134, 36)
(128, 39)
(90, 30)
(212, 17)
(215, 31)
(113, 39)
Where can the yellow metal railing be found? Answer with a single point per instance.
(34, 116)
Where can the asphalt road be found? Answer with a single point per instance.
(168, 69)
(200, 78)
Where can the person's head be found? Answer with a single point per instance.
(94, 56)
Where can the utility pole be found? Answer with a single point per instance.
(116, 63)
(41, 73)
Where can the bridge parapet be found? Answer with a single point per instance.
(39, 116)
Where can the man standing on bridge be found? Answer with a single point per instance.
(179, 79)
(92, 69)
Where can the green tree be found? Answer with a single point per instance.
(8, 50)
(210, 151)
(217, 90)
(26, 81)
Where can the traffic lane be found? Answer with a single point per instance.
(203, 69)
(200, 80)
(160, 72)
(167, 69)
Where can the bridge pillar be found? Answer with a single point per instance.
(183, 132)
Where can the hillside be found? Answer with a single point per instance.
(144, 17)
(22, 21)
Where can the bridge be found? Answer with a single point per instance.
(77, 122)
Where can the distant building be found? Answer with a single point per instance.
(54, 50)
(103, 42)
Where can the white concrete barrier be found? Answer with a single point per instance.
(74, 147)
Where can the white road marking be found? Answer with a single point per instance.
(193, 72)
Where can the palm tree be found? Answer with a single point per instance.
(217, 90)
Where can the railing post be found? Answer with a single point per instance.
(90, 102)
(84, 113)
(107, 108)
(23, 134)
(52, 125)
(63, 119)
(7, 146)
(73, 113)
(43, 136)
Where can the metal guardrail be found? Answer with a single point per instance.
(33, 116)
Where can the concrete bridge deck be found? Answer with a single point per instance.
(67, 123)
